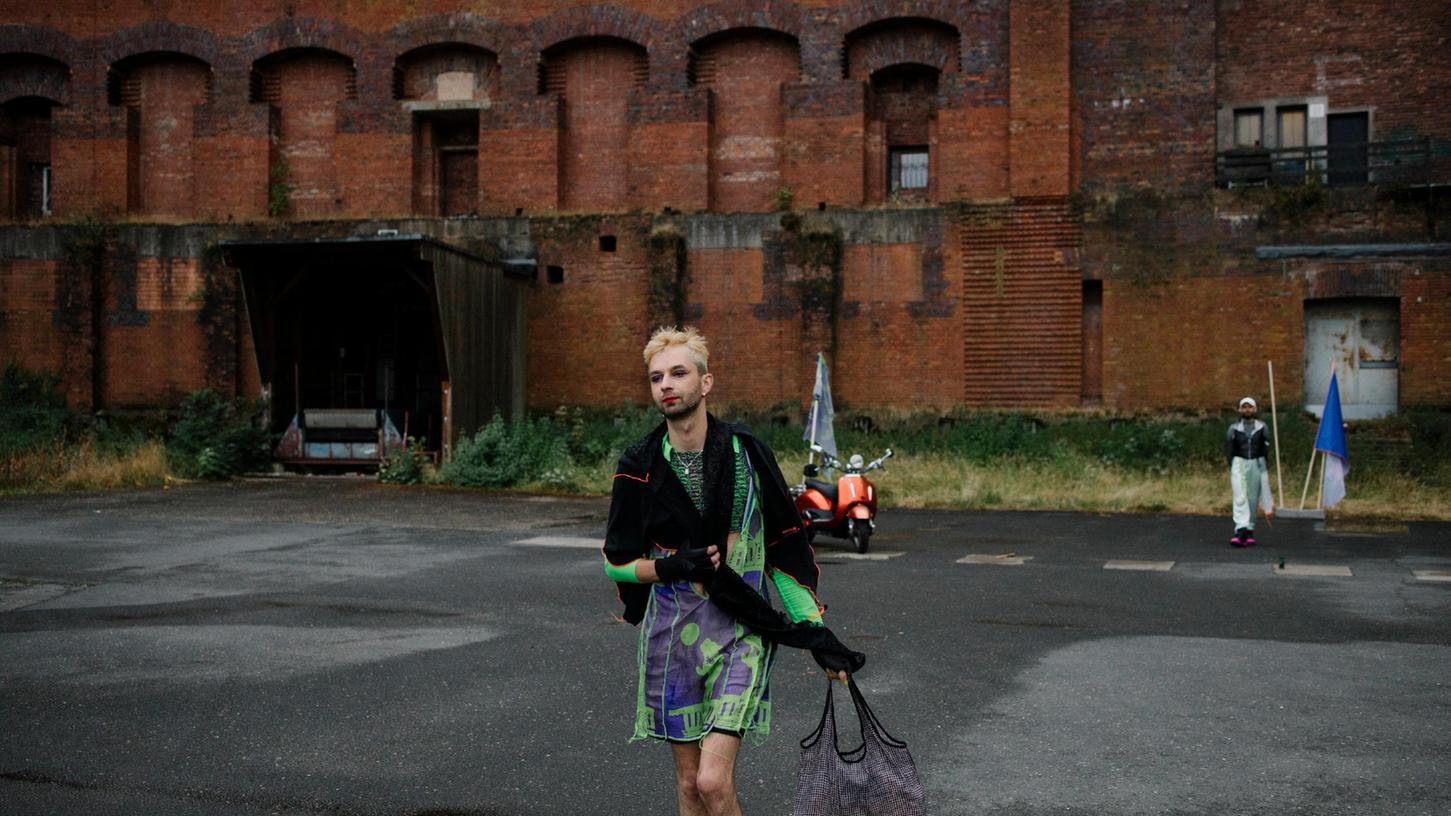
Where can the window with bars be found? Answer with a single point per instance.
(909, 168)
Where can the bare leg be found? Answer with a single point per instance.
(716, 780)
(687, 768)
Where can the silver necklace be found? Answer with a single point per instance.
(689, 460)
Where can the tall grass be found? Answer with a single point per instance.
(84, 465)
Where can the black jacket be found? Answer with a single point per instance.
(1254, 444)
(650, 506)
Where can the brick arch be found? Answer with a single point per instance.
(159, 37)
(445, 29)
(45, 78)
(666, 53)
(955, 13)
(718, 18)
(41, 41)
(599, 21)
(309, 32)
(881, 44)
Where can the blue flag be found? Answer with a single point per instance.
(1331, 440)
(818, 422)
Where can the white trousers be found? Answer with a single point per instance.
(1249, 483)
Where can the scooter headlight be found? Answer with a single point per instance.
(856, 461)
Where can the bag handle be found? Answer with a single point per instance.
(865, 714)
(865, 718)
(827, 714)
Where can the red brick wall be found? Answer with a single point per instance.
(824, 153)
(745, 73)
(309, 85)
(1387, 55)
(585, 334)
(153, 346)
(27, 331)
(596, 78)
(1201, 341)
(1426, 333)
(1039, 98)
(519, 157)
(1144, 92)
(168, 90)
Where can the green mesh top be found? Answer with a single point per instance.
(689, 468)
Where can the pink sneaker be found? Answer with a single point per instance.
(1249, 540)
(1237, 539)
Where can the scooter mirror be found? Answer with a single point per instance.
(817, 448)
(810, 471)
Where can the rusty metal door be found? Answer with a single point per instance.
(1362, 338)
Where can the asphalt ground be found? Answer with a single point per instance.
(309, 646)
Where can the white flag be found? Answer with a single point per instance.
(818, 423)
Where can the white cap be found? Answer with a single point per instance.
(1250, 401)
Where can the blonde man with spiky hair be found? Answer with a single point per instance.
(700, 511)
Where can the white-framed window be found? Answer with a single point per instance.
(909, 168)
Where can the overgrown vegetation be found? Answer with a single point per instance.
(216, 438)
(280, 188)
(407, 466)
(43, 445)
(1169, 462)
(998, 460)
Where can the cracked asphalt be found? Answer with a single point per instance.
(333, 646)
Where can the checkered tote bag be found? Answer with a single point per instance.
(877, 778)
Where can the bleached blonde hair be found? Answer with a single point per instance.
(668, 336)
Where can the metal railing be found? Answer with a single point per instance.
(1414, 161)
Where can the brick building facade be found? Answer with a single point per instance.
(989, 204)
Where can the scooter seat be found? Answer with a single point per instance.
(827, 489)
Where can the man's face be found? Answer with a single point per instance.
(676, 385)
(1247, 411)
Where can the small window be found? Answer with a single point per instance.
(607, 243)
(909, 168)
(1291, 123)
(555, 274)
(1249, 128)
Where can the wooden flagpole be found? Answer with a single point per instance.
(1305, 494)
(1324, 463)
(1275, 429)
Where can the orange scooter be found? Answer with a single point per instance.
(847, 509)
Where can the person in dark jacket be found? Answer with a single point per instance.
(695, 495)
(1246, 451)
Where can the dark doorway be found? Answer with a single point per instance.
(446, 162)
(351, 336)
(1092, 341)
(1348, 136)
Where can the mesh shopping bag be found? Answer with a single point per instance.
(877, 778)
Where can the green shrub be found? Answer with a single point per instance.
(405, 466)
(33, 412)
(1141, 445)
(216, 438)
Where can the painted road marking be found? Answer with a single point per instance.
(1322, 570)
(1004, 560)
(882, 555)
(1434, 575)
(566, 542)
(1145, 566)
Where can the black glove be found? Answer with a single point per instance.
(685, 565)
(836, 656)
